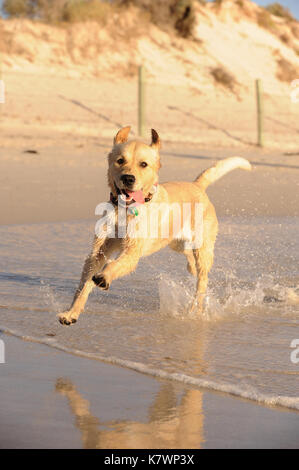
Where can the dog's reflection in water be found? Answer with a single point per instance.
(175, 420)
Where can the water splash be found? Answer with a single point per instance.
(231, 298)
(49, 297)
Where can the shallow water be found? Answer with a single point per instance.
(240, 345)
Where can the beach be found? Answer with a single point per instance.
(56, 399)
(67, 181)
(139, 369)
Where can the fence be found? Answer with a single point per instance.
(204, 116)
(262, 116)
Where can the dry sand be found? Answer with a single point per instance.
(79, 82)
(67, 182)
(70, 124)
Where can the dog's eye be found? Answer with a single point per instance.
(120, 161)
(143, 164)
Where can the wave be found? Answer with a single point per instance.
(230, 389)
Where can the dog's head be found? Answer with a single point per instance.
(133, 165)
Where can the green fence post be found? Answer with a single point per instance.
(141, 101)
(260, 112)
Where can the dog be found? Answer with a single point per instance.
(133, 168)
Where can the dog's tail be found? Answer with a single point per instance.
(216, 172)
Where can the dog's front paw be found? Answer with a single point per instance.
(101, 281)
(67, 318)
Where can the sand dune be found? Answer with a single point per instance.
(82, 78)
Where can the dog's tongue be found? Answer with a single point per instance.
(136, 195)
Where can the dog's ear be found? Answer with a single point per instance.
(156, 142)
(122, 135)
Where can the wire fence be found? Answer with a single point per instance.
(96, 107)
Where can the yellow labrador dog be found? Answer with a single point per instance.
(143, 216)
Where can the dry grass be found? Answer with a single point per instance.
(224, 78)
(16, 8)
(175, 14)
(295, 29)
(264, 20)
(286, 72)
(167, 14)
(184, 17)
(285, 38)
(282, 12)
(6, 40)
(57, 11)
(91, 11)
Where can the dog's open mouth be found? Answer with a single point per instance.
(130, 196)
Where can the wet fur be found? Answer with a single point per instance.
(100, 271)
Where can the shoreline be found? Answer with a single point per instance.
(55, 400)
(276, 403)
(140, 371)
(52, 399)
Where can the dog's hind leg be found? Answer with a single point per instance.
(191, 263)
(203, 261)
(94, 262)
(179, 247)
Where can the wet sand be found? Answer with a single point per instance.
(50, 399)
(54, 400)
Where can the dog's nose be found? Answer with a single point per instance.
(128, 180)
